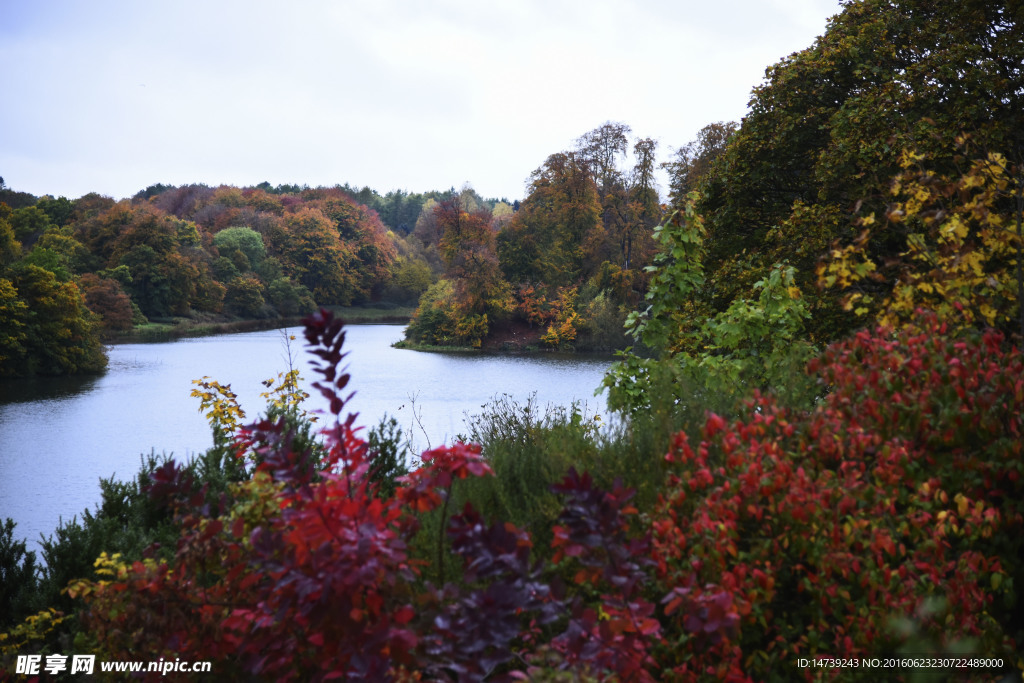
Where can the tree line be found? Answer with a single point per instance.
(73, 272)
(560, 269)
(563, 269)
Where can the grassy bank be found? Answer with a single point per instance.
(415, 346)
(180, 328)
(356, 315)
(166, 329)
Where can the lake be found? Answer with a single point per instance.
(59, 436)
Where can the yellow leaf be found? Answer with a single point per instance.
(962, 503)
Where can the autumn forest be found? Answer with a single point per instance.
(818, 394)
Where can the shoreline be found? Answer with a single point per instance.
(505, 351)
(185, 328)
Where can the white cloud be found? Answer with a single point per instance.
(114, 95)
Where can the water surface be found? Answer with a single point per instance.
(59, 436)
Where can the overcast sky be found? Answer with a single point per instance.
(112, 96)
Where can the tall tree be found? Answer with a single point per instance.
(314, 254)
(60, 210)
(601, 149)
(106, 298)
(692, 162)
(150, 287)
(827, 129)
(13, 335)
(362, 233)
(57, 332)
(644, 209)
(544, 241)
(10, 247)
(468, 249)
(464, 226)
(29, 223)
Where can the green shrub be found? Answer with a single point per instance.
(18, 579)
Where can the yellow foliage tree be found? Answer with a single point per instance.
(567, 321)
(220, 405)
(959, 247)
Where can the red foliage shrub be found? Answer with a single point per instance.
(900, 488)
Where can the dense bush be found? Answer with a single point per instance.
(245, 296)
(897, 500)
(17, 576)
(886, 519)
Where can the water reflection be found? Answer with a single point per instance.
(45, 388)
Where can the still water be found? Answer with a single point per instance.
(59, 436)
